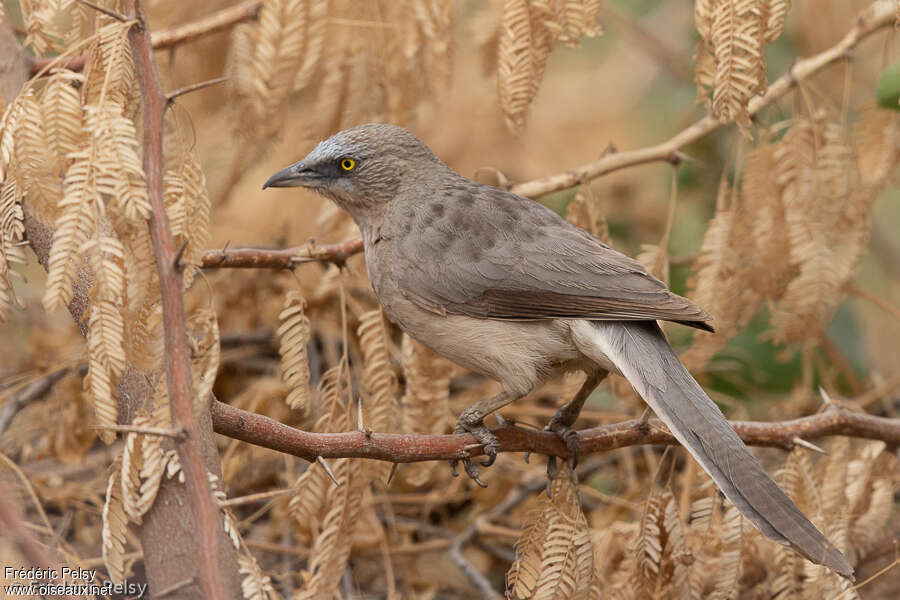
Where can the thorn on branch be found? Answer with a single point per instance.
(610, 149)
(325, 466)
(394, 467)
(179, 265)
(792, 79)
(798, 441)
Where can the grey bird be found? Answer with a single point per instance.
(504, 286)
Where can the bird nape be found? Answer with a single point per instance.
(505, 287)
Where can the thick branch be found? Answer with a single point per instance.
(261, 258)
(168, 38)
(401, 448)
(178, 366)
(878, 16)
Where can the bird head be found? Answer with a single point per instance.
(362, 169)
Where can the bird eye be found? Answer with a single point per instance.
(347, 164)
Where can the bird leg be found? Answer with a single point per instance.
(565, 417)
(472, 421)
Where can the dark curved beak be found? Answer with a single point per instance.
(295, 175)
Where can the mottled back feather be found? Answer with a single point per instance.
(519, 260)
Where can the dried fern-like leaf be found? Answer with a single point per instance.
(293, 335)
(720, 285)
(61, 106)
(254, 585)
(735, 37)
(120, 173)
(554, 554)
(49, 25)
(516, 68)
(106, 256)
(313, 485)
(435, 22)
(35, 157)
(379, 381)
(204, 331)
(649, 545)
(77, 222)
(115, 526)
(317, 19)
(584, 212)
(426, 400)
(111, 76)
(729, 565)
(154, 458)
(777, 14)
(331, 549)
(529, 31)
(378, 377)
(277, 57)
(106, 361)
(677, 551)
(12, 231)
(730, 58)
(106, 332)
(132, 463)
(827, 213)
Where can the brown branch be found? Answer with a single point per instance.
(401, 448)
(261, 258)
(218, 21)
(180, 34)
(178, 366)
(878, 16)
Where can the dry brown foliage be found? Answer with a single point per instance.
(731, 60)
(789, 235)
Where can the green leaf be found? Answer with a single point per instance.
(889, 87)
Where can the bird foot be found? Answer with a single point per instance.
(562, 428)
(485, 438)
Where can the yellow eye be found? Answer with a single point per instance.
(347, 164)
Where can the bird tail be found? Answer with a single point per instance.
(640, 352)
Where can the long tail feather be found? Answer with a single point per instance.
(640, 352)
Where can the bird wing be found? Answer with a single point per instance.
(487, 253)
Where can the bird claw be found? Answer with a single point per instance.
(490, 450)
(490, 447)
(570, 438)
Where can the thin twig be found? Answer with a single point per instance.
(194, 87)
(402, 448)
(251, 498)
(878, 16)
(105, 11)
(879, 302)
(178, 371)
(174, 432)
